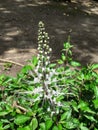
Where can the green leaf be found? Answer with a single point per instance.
(5, 120)
(21, 119)
(42, 126)
(74, 105)
(82, 127)
(34, 124)
(60, 61)
(26, 68)
(59, 98)
(63, 116)
(96, 91)
(72, 123)
(91, 118)
(1, 126)
(66, 115)
(94, 66)
(48, 124)
(24, 128)
(95, 103)
(6, 127)
(75, 64)
(63, 57)
(60, 127)
(70, 52)
(52, 65)
(3, 113)
(55, 128)
(83, 105)
(34, 60)
(95, 129)
(81, 76)
(67, 45)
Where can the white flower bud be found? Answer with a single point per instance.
(50, 49)
(45, 53)
(48, 109)
(45, 41)
(45, 45)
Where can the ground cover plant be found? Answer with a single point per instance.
(50, 96)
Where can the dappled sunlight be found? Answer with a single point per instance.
(90, 7)
(60, 31)
(19, 24)
(7, 38)
(84, 55)
(13, 32)
(10, 33)
(4, 10)
(31, 3)
(94, 10)
(19, 1)
(15, 50)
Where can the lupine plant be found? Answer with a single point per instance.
(50, 96)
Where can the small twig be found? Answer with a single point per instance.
(13, 62)
(20, 107)
(92, 126)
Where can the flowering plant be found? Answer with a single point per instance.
(50, 96)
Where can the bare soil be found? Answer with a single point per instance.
(19, 24)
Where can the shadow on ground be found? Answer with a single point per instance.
(19, 24)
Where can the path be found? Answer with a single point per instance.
(19, 24)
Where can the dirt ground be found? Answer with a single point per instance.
(19, 24)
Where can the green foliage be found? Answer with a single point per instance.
(7, 66)
(50, 96)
